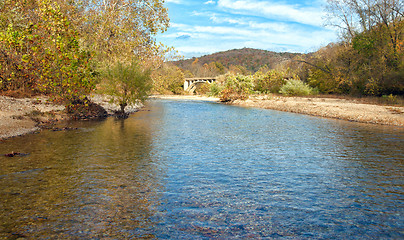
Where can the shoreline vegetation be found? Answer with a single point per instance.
(20, 116)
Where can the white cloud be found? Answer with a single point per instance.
(258, 34)
(277, 27)
(203, 49)
(177, 25)
(269, 26)
(305, 15)
(203, 14)
(218, 19)
(174, 1)
(209, 2)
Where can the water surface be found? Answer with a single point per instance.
(198, 170)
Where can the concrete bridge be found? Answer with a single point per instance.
(191, 83)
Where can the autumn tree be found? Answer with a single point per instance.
(40, 51)
(168, 79)
(127, 84)
(59, 47)
(373, 30)
(122, 29)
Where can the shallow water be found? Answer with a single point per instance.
(198, 170)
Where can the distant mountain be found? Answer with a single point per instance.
(251, 59)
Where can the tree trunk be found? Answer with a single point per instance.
(123, 105)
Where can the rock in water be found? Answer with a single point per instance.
(13, 154)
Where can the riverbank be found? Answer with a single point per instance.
(19, 116)
(344, 109)
(25, 115)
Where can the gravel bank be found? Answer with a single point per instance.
(344, 109)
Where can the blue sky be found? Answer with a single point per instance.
(200, 27)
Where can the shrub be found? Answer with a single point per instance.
(391, 99)
(269, 82)
(236, 87)
(323, 81)
(215, 89)
(202, 88)
(295, 87)
(127, 83)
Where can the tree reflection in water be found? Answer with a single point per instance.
(96, 182)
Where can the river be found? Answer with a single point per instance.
(201, 170)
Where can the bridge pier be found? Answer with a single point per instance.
(186, 85)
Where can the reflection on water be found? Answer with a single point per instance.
(98, 181)
(184, 169)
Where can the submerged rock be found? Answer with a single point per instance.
(14, 154)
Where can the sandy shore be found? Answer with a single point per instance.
(21, 116)
(343, 109)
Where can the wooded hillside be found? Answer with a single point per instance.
(251, 59)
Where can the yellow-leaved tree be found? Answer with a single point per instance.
(122, 34)
(119, 30)
(60, 46)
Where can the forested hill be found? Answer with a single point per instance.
(251, 59)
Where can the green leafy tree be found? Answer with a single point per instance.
(51, 46)
(67, 71)
(17, 71)
(41, 51)
(127, 84)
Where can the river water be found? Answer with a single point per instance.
(200, 170)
